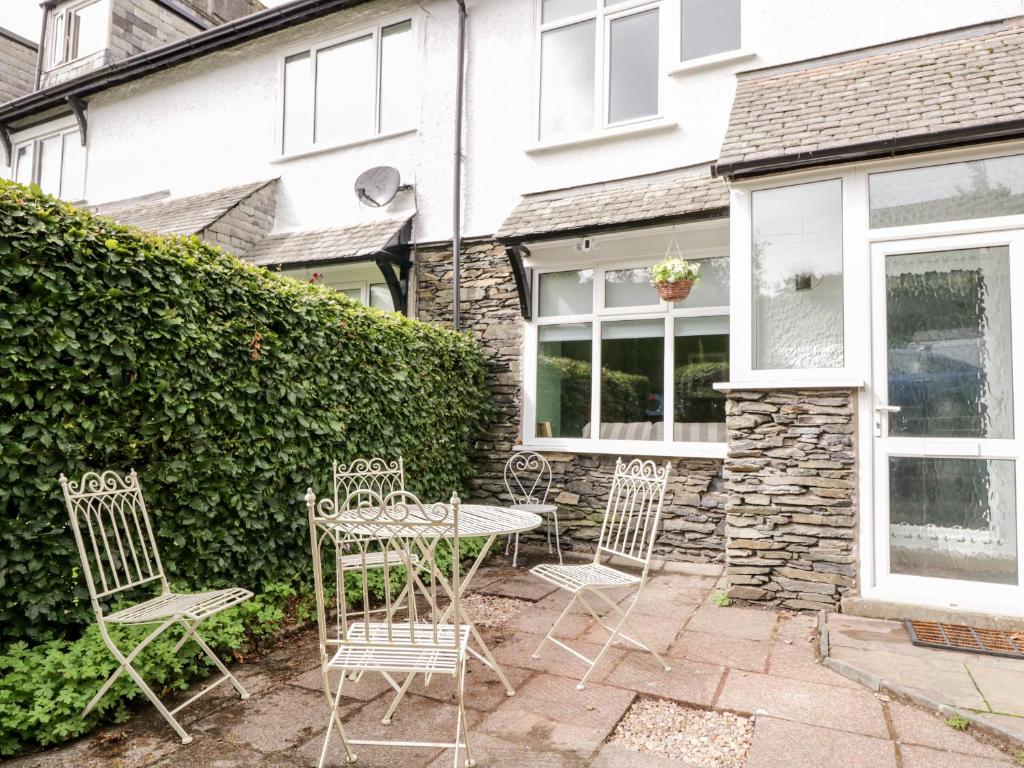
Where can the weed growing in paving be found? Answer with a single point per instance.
(721, 599)
(958, 722)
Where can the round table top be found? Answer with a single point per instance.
(474, 520)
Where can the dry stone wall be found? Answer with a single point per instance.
(791, 514)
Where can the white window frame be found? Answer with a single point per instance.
(666, 311)
(375, 31)
(36, 138)
(721, 58)
(62, 43)
(603, 17)
(363, 286)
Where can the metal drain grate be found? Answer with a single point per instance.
(959, 637)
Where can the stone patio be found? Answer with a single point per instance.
(745, 660)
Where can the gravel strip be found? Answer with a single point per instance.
(703, 738)
(490, 611)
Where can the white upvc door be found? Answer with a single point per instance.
(948, 419)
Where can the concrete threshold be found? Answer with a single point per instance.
(883, 609)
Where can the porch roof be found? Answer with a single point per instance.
(352, 243)
(660, 197)
(954, 88)
(180, 215)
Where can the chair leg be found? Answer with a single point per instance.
(548, 529)
(627, 622)
(558, 544)
(515, 554)
(350, 756)
(191, 632)
(562, 615)
(460, 682)
(508, 544)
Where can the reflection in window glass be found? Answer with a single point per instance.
(633, 67)
(712, 290)
(89, 29)
(701, 361)
(797, 254)
(397, 68)
(553, 10)
(633, 380)
(567, 79)
(345, 82)
(23, 158)
(380, 297)
(298, 127)
(564, 375)
(356, 294)
(72, 183)
(629, 288)
(49, 165)
(709, 27)
(566, 293)
(973, 190)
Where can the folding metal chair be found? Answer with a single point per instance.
(117, 547)
(528, 482)
(428, 639)
(629, 529)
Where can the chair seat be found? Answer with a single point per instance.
(537, 509)
(376, 559)
(175, 604)
(369, 648)
(590, 576)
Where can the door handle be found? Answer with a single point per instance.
(888, 408)
(879, 410)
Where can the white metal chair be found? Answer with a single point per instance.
(629, 529)
(119, 553)
(428, 639)
(528, 482)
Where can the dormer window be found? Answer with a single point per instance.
(78, 31)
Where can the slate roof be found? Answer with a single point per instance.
(681, 193)
(181, 215)
(335, 244)
(957, 87)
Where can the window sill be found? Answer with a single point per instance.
(343, 145)
(628, 448)
(727, 386)
(647, 127)
(710, 62)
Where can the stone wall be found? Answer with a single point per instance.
(694, 512)
(238, 230)
(791, 478)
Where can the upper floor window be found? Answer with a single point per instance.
(349, 90)
(709, 28)
(598, 64)
(78, 31)
(55, 162)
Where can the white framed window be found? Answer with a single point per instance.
(339, 277)
(55, 161)
(709, 28)
(610, 367)
(598, 65)
(350, 89)
(79, 31)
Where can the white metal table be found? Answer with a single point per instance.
(475, 521)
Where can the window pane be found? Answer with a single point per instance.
(633, 380)
(49, 165)
(58, 41)
(553, 10)
(953, 519)
(397, 69)
(567, 80)
(797, 254)
(91, 29)
(633, 69)
(298, 128)
(345, 82)
(710, 27)
(72, 181)
(629, 288)
(356, 294)
(566, 293)
(713, 288)
(23, 163)
(564, 380)
(972, 190)
(701, 360)
(948, 328)
(380, 297)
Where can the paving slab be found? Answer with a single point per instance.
(915, 726)
(923, 757)
(538, 621)
(213, 753)
(688, 681)
(555, 660)
(484, 691)
(512, 582)
(736, 652)
(784, 744)
(613, 756)
(369, 685)
(1002, 689)
(747, 623)
(493, 752)
(798, 660)
(810, 703)
(657, 632)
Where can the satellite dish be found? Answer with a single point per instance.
(378, 186)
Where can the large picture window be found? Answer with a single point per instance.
(614, 363)
(55, 162)
(349, 90)
(598, 64)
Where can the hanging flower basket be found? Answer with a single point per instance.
(673, 277)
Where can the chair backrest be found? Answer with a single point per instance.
(113, 533)
(366, 539)
(380, 476)
(634, 511)
(528, 478)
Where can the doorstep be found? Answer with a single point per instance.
(884, 609)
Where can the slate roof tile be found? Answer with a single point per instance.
(332, 244)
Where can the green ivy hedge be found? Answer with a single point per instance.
(228, 388)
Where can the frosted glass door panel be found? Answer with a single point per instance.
(948, 341)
